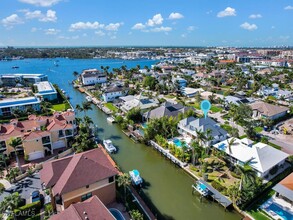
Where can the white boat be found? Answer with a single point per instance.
(109, 146)
(135, 177)
(88, 98)
(110, 119)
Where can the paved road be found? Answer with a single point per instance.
(24, 187)
(286, 145)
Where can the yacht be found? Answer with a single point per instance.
(135, 177)
(109, 146)
(88, 98)
(111, 119)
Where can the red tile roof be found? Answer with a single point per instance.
(92, 208)
(82, 169)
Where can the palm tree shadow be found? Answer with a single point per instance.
(145, 184)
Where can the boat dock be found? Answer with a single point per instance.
(211, 191)
(142, 204)
(167, 154)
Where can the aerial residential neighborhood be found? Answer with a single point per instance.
(96, 125)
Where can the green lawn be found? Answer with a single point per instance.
(258, 129)
(61, 107)
(216, 109)
(170, 96)
(226, 127)
(275, 146)
(111, 107)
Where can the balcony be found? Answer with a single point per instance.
(60, 134)
(68, 133)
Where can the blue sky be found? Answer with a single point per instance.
(146, 22)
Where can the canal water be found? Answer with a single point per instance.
(168, 187)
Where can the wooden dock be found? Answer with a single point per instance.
(167, 154)
(82, 90)
(142, 204)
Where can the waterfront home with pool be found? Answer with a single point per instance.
(92, 208)
(139, 101)
(78, 177)
(112, 92)
(265, 160)
(189, 127)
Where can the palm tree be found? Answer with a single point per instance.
(248, 176)
(86, 106)
(15, 142)
(3, 158)
(78, 108)
(13, 173)
(196, 151)
(124, 181)
(10, 203)
(200, 136)
(136, 215)
(87, 121)
(230, 144)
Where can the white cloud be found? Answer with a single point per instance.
(100, 33)
(248, 26)
(113, 27)
(183, 35)
(138, 26)
(51, 31)
(191, 28)
(11, 20)
(84, 34)
(289, 7)
(33, 14)
(284, 38)
(34, 29)
(254, 16)
(161, 29)
(85, 26)
(49, 17)
(42, 3)
(273, 27)
(156, 20)
(75, 37)
(175, 15)
(227, 12)
(113, 37)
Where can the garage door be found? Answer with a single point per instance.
(36, 155)
(58, 144)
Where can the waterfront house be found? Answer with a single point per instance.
(138, 101)
(78, 177)
(236, 100)
(21, 78)
(113, 92)
(264, 110)
(284, 189)
(187, 72)
(40, 135)
(190, 125)
(46, 91)
(261, 157)
(92, 77)
(7, 106)
(167, 109)
(91, 208)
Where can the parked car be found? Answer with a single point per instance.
(35, 196)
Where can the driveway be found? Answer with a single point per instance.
(24, 187)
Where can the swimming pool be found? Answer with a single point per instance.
(117, 214)
(177, 142)
(278, 210)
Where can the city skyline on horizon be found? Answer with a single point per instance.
(64, 23)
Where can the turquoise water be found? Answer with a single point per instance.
(284, 214)
(168, 187)
(177, 142)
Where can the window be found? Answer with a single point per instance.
(61, 133)
(3, 144)
(87, 186)
(111, 179)
(86, 196)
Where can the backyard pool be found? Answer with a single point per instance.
(117, 214)
(177, 142)
(276, 211)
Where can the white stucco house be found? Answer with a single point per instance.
(113, 92)
(92, 77)
(261, 157)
